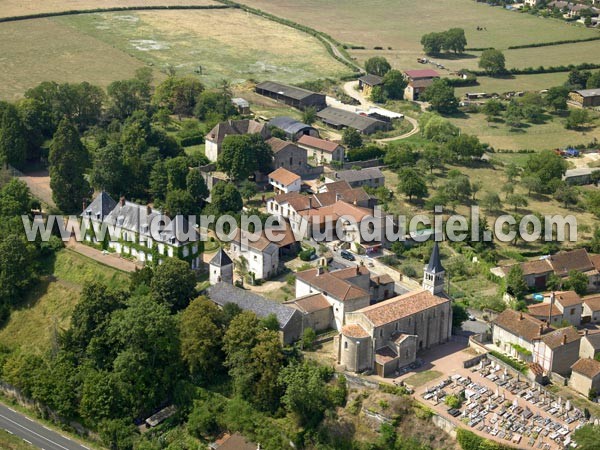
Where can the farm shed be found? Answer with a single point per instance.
(339, 118)
(291, 95)
(586, 97)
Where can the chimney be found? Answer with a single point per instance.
(565, 339)
(319, 270)
(586, 332)
(357, 270)
(122, 201)
(309, 202)
(84, 205)
(521, 315)
(551, 307)
(541, 328)
(148, 209)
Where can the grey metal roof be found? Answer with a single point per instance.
(103, 204)
(589, 92)
(285, 90)
(352, 175)
(340, 117)
(241, 102)
(289, 125)
(223, 293)
(371, 80)
(435, 261)
(220, 259)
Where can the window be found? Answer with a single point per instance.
(572, 311)
(381, 333)
(346, 345)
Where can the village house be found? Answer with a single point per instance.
(515, 333)
(288, 155)
(367, 82)
(321, 151)
(329, 193)
(369, 177)
(387, 336)
(256, 254)
(134, 235)
(293, 128)
(559, 307)
(220, 268)
(537, 272)
(586, 98)
(340, 118)
(284, 181)
(214, 138)
(557, 351)
(289, 319)
(585, 376)
(590, 344)
(591, 309)
(291, 95)
(418, 80)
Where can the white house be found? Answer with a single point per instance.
(285, 181)
(320, 150)
(257, 253)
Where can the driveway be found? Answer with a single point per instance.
(39, 185)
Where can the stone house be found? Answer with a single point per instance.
(559, 307)
(585, 376)
(590, 345)
(284, 181)
(214, 138)
(288, 155)
(260, 255)
(514, 331)
(369, 177)
(591, 309)
(557, 350)
(322, 151)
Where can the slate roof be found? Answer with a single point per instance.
(223, 293)
(353, 176)
(220, 259)
(235, 127)
(520, 324)
(289, 125)
(318, 143)
(435, 261)
(587, 367)
(371, 80)
(402, 306)
(555, 338)
(284, 89)
(589, 92)
(341, 117)
(102, 204)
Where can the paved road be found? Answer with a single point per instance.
(33, 432)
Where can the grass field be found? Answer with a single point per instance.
(420, 378)
(227, 44)
(46, 50)
(549, 135)
(50, 304)
(10, 8)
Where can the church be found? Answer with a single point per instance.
(386, 336)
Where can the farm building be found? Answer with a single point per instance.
(370, 177)
(291, 95)
(339, 118)
(586, 97)
(241, 105)
(320, 150)
(418, 81)
(579, 176)
(293, 129)
(367, 82)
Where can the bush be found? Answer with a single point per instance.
(409, 271)
(308, 338)
(307, 255)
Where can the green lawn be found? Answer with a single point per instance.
(48, 308)
(215, 44)
(421, 378)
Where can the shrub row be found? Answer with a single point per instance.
(459, 82)
(191, 140)
(112, 9)
(542, 69)
(511, 362)
(547, 44)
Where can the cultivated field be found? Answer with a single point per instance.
(49, 306)
(10, 8)
(220, 44)
(45, 50)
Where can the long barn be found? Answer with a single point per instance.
(291, 95)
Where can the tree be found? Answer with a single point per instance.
(108, 171)
(15, 199)
(577, 79)
(178, 94)
(458, 187)
(180, 202)
(267, 360)
(173, 283)
(459, 315)
(492, 109)
(587, 437)
(196, 186)
(432, 43)
(454, 40)
(556, 97)
(400, 156)
(546, 165)
(127, 96)
(491, 201)
(593, 82)
(516, 200)
(68, 160)
(411, 184)
(514, 115)
(532, 183)
(309, 115)
(512, 171)
(515, 282)
(465, 147)
(17, 262)
(577, 119)
(440, 94)
(248, 189)
(242, 155)
(492, 61)
(431, 155)
(351, 138)
(438, 129)
(13, 146)
(225, 199)
(201, 335)
(377, 65)
(378, 94)
(394, 84)
(576, 281)
(567, 195)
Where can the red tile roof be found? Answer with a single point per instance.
(284, 176)
(321, 144)
(520, 324)
(421, 73)
(543, 309)
(354, 330)
(587, 367)
(397, 308)
(564, 262)
(567, 298)
(593, 302)
(327, 282)
(557, 338)
(310, 303)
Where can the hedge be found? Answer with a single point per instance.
(511, 362)
(460, 82)
(547, 44)
(542, 69)
(72, 12)
(191, 140)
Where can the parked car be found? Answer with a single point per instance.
(347, 255)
